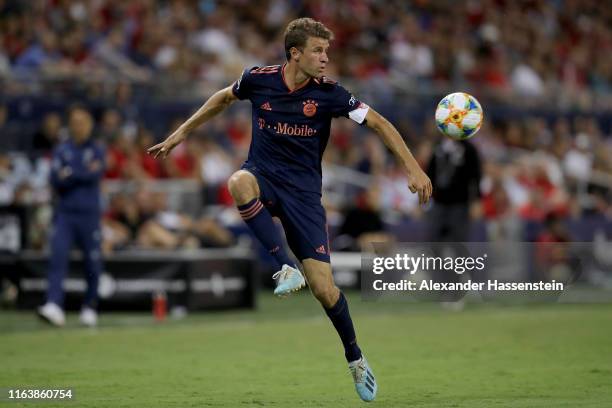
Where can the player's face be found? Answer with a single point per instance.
(80, 125)
(313, 59)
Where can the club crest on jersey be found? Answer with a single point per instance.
(310, 107)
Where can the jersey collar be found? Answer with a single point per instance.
(285, 82)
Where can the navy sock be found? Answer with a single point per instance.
(260, 222)
(341, 318)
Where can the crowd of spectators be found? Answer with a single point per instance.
(529, 48)
(534, 167)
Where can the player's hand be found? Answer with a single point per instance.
(164, 148)
(418, 182)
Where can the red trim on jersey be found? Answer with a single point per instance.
(285, 82)
(272, 69)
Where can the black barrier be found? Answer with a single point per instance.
(195, 279)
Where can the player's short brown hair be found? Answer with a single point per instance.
(298, 31)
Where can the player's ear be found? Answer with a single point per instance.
(295, 53)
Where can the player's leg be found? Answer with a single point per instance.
(89, 238)
(321, 283)
(60, 242)
(306, 229)
(248, 195)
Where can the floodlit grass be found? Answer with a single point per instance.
(286, 354)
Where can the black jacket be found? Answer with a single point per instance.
(455, 172)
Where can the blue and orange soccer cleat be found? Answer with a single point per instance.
(365, 383)
(288, 279)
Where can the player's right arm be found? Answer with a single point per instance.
(212, 107)
(349, 106)
(418, 182)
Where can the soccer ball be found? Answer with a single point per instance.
(459, 116)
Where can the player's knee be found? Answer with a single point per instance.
(242, 185)
(327, 295)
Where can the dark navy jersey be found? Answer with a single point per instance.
(291, 128)
(75, 176)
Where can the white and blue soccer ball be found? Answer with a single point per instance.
(459, 116)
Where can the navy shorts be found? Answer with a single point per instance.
(302, 215)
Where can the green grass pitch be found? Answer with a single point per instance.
(286, 354)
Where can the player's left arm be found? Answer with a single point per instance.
(417, 179)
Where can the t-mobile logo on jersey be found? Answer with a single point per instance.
(294, 130)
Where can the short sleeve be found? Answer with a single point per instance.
(346, 104)
(241, 87)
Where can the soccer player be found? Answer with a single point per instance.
(292, 108)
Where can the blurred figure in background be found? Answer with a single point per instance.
(363, 223)
(455, 171)
(10, 131)
(78, 166)
(186, 231)
(48, 135)
(553, 255)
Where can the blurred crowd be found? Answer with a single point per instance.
(532, 48)
(534, 167)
